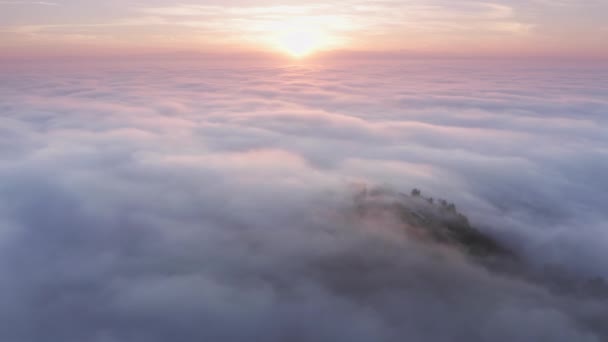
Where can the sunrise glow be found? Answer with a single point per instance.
(299, 43)
(300, 29)
(300, 36)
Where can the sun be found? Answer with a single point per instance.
(300, 43)
(299, 37)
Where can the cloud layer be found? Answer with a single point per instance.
(214, 202)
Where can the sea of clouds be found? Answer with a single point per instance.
(210, 201)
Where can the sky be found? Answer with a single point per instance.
(507, 28)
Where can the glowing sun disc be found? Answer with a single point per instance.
(300, 43)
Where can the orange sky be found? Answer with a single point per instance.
(560, 28)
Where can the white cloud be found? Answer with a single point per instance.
(193, 201)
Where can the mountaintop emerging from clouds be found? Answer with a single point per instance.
(437, 221)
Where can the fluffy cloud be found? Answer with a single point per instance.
(212, 202)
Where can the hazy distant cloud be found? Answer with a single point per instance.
(44, 3)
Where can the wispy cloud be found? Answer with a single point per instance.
(43, 3)
(475, 27)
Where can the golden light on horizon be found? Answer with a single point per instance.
(300, 37)
(299, 43)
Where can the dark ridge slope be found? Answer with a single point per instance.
(439, 222)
